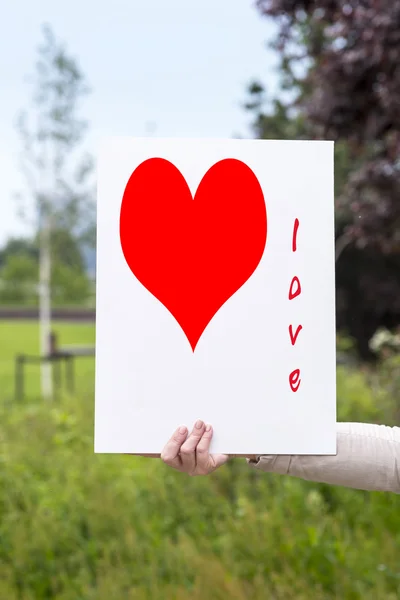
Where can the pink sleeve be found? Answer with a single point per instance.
(368, 458)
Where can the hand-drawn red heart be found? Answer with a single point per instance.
(193, 254)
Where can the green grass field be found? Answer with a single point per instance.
(18, 337)
(79, 526)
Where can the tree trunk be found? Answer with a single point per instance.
(45, 307)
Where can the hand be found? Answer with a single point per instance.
(190, 454)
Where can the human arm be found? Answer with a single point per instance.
(367, 458)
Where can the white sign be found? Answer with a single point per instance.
(215, 294)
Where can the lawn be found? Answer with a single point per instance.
(22, 337)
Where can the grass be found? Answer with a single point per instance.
(22, 337)
(79, 526)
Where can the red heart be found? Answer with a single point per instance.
(193, 254)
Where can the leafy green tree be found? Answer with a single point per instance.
(19, 266)
(69, 286)
(58, 178)
(18, 247)
(66, 249)
(18, 279)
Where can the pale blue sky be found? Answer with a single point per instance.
(181, 64)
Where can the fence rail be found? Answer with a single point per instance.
(58, 314)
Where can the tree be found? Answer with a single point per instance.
(58, 181)
(18, 279)
(64, 246)
(340, 80)
(352, 92)
(69, 285)
(18, 247)
(19, 262)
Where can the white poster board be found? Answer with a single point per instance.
(182, 224)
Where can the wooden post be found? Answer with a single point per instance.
(53, 343)
(57, 376)
(19, 378)
(69, 364)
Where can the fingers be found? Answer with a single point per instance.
(191, 454)
(188, 448)
(203, 449)
(206, 462)
(170, 454)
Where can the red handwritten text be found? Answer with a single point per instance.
(294, 291)
(295, 230)
(294, 380)
(293, 336)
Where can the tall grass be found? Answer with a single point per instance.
(74, 525)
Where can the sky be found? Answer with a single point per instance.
(168, 68)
